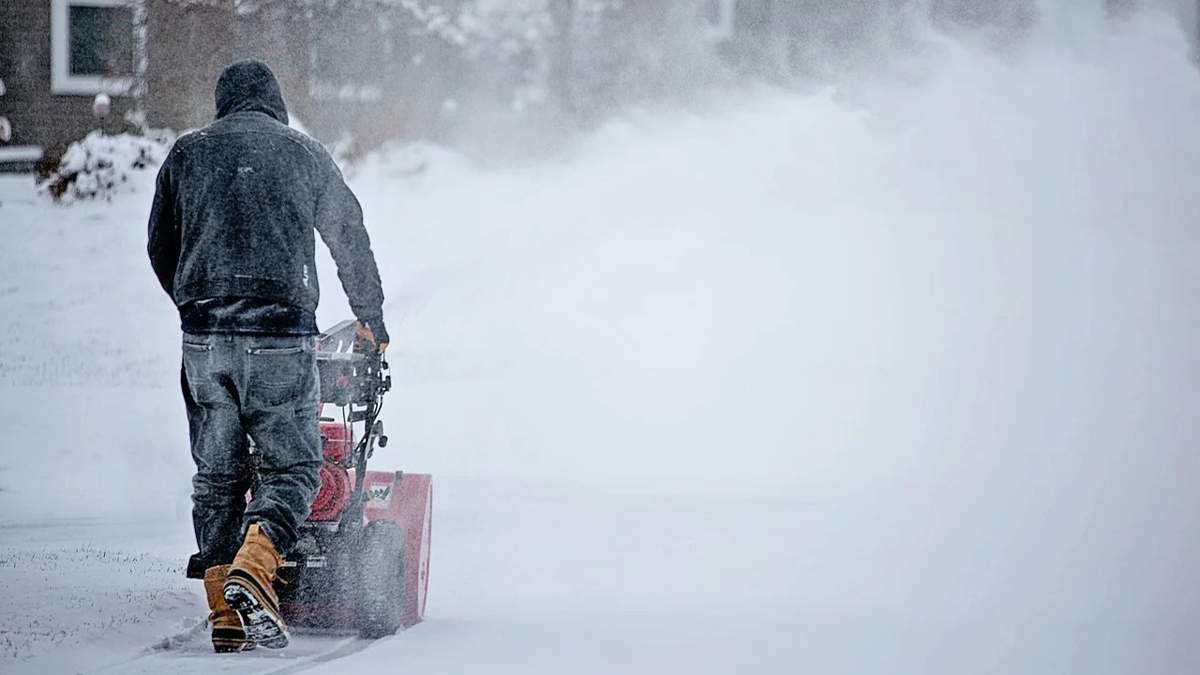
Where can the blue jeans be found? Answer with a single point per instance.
(266, 387)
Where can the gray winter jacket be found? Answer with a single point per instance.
(231, 227)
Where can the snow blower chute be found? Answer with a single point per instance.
(362, 559)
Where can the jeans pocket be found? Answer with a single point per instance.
(274, 351)
(200, 371)
(197, 342)
(278, 376)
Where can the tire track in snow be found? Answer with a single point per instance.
(189, 652)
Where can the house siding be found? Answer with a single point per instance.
(189, 45)
(38, 116)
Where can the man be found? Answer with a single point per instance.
(231, 240)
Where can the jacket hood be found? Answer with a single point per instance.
(250, 85)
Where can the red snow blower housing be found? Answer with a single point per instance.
(362, 560)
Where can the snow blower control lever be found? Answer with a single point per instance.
(352, 373)
(354, 377)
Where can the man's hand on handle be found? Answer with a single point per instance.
(367, 336)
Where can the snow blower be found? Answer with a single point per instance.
(361, 562)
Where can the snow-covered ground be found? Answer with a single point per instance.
(898, 377)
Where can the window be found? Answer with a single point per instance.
(91, 46)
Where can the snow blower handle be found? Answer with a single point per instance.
(352, 368)
(365, 339)
(360, 379)
(372, 370)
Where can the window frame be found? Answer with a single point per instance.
(61, 79)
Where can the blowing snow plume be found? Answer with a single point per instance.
(880, 270)
(956, 309)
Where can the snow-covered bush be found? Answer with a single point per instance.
(101, 165)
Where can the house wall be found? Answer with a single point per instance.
(39, 117)
(190, 43)
(187, 47)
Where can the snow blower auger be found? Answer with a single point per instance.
(362, 560)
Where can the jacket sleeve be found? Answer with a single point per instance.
(339, 220)
(163, 241)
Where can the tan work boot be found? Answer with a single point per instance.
(227, 633)
(250, 592)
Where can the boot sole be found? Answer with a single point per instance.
(230, 640)
(262, 624)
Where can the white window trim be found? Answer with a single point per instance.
(723, 28)
(61, 79)
(20, 153)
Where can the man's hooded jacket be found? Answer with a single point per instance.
(231, 228)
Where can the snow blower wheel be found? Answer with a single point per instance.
(381, 580)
